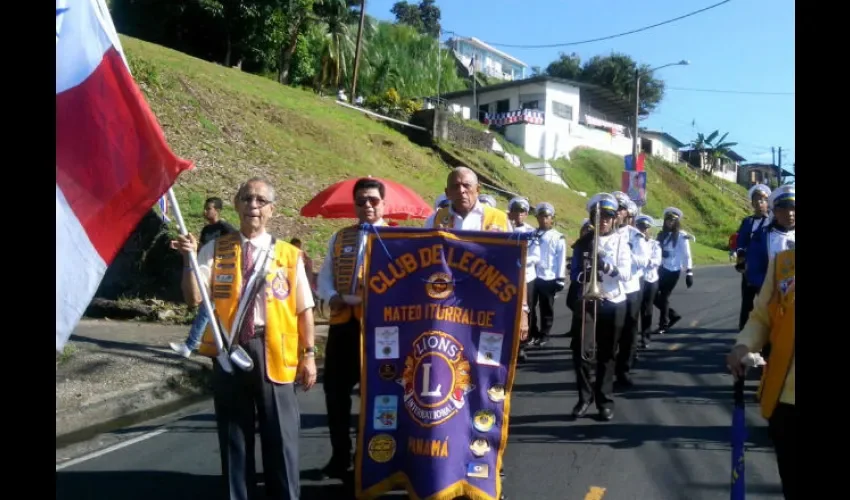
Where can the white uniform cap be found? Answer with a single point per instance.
(487, 200)
(607, 203)
(440, 200)
(520, 203)
(783, 196)
(761, 188)
(673, 211)
(632, 208)
(622, 198)
(644, 220)
(544, 208)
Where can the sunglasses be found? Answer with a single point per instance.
(371, 200)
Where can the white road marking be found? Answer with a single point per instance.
(117, 446)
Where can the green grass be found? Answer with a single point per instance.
(234, 125)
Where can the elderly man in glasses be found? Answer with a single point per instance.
(342, 353)
(262, 296)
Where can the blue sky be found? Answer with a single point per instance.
(743, 45)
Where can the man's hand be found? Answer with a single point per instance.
(307, 372)
(523, 326)
(734, 360)
(185, 244)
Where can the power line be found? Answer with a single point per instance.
(609, 37)
(718, 91)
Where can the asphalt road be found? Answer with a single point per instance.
(669, 438)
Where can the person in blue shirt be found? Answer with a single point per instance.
(749, 225)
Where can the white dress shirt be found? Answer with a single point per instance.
(325, 282)
(553, 255)
(474, 220)
(650, 272)
(303, 292)
(532, 256)
(615, 250)
(680, 256)
(640, 257)
(777, 241)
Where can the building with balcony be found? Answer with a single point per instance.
(488, 60)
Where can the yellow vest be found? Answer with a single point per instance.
(281, 337)
(782, 333)
(494, 219)
(344, 263)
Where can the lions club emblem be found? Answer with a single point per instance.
(439, 286)
(436, 378)
(280, 286)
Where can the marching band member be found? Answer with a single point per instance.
(518, 211)
(777, 236)
(749, 225)
(551, 273)
(675, 256)
(772, 320)
(615, 266)
(634, 289)
(574, 291)
(342, 351)
(649, 282)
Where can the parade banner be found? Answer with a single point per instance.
(441, 320)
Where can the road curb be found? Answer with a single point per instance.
(138, 404)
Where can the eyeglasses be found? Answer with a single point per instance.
(371, 200)
(248, 198)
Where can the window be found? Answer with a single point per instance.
(530, 105)
(561, 110)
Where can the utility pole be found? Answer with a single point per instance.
(773, 155)
(357, 51)
(474, 92)
(637, 117)
(439, 63)
(779, 164)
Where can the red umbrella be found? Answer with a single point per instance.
(337, 202)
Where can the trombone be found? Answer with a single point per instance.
(590, 293)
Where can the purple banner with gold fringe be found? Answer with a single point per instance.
(440, 337)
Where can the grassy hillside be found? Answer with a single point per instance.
(234, 125)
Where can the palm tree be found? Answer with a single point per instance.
(712, 151)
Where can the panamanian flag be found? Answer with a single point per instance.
(112, 160)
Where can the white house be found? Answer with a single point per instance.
(660, 144)
(549, 117)
(488, 60)
(725, 168)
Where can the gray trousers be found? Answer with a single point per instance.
(241, 397)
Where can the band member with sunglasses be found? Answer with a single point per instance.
(342, 352)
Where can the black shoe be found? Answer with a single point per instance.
(624, 381)
(606, 413)
(673, 321)
(522, 356)
(543, 341)
(335, 470)
(580, 409)
(534, 342)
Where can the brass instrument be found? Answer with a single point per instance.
(591, 293)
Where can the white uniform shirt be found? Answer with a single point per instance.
(474, 220)
(616, 253)
(640, 256)
(532, 256)
(553, 255)
(303, 292)
(679, 257)
(325, 282)
(777, 241)
(650, 272)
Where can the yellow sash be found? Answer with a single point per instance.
(281, 337)
(782, 333)
(493, 220)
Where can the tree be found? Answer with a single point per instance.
(712, 150)
(425, 17)
(615, 72)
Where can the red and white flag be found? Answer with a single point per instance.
(112, 160)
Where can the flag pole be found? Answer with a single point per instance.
(223, 358)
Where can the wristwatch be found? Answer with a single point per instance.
(526, 309)
(310, 352)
